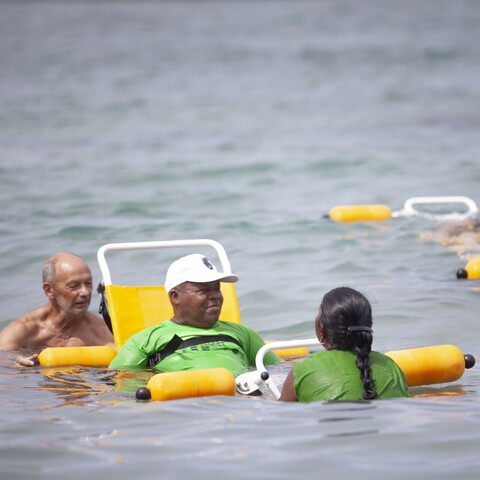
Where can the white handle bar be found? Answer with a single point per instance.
(107, 279)
(309, 342)
(409, 210)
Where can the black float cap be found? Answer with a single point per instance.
(143, 393)
(469, 360)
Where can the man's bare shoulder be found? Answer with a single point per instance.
(14, 335)
(95, 321)
(98, 332)
(93, 318)
(36, 316)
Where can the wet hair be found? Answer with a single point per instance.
(346, 316)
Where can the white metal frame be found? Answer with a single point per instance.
(409, 210)
(205, 242)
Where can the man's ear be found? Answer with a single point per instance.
(173, 295)
(48, 289)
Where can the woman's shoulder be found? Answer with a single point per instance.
(328, 359)
(380, 357)
(382, 360)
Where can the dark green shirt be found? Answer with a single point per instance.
(333, 375)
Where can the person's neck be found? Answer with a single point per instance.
(178, 320)
(181, 321)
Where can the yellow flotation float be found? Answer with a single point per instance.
(429, 365)
(289, 353)
(188, 384)
(98, 356)
(471, 270)
(360, 213)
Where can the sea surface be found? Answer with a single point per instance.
(244, 122)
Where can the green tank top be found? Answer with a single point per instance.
(333, 375)
(236, 357)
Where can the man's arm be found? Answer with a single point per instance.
(13, 337)
(288, 389)
(256, 342)
(130, 357)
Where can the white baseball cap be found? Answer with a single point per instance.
(195, 268)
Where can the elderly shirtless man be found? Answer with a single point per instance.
(65, 320)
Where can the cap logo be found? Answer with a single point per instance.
(207, 263)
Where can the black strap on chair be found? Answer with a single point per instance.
(176, 343)
(103, 307)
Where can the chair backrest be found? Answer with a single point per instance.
(133, 308)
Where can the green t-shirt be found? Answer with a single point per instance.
(333, 375)
(237, 359)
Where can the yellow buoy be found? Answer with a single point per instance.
(191, 383)
(428, 365)
(360, 213)
(85, 356)
(473, 269)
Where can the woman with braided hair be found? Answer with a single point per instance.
(348, 369)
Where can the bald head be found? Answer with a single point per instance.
(63, 261)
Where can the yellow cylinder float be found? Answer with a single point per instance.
(95, 356)
(360, 213)
(292, 352)
(191, 383)
(428, 365)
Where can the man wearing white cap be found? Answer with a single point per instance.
(194, 338)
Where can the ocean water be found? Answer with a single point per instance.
(244, 122)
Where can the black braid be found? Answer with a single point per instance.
(363, 364)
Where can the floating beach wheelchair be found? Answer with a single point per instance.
(434, 208)
(455, 210)
(129, 309)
